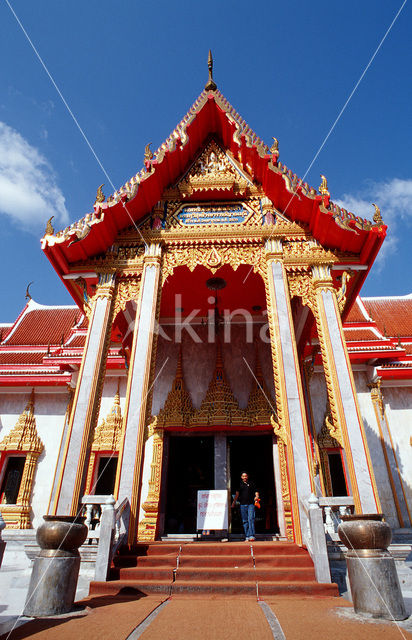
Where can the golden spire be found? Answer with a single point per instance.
(211, 84)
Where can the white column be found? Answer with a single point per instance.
(288, 384)
(130, 455)
(86, 402)
(342, 394)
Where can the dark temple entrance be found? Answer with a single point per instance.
(254, 454)
(191, 467)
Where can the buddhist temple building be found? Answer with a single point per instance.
(217, 326)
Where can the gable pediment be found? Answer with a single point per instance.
(214, 170)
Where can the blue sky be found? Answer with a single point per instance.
(130, 70)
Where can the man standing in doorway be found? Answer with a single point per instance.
(247, 496)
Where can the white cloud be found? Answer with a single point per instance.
(394, 198)
(29, 193)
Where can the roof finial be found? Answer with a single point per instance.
(211, 84)
(28, 296)
(377, 218)
(323, 189)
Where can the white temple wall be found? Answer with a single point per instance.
(49, 410)
(199, 359)
(398, 407)
(112, 381)
(375, 447)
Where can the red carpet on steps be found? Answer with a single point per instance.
(200, 568)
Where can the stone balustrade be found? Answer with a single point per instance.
(321, 518)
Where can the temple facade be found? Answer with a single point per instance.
(217, 327)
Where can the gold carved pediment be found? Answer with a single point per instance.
(23, 436)
(213, 170)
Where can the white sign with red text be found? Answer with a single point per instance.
(212, 509)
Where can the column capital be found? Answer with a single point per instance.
(152, 253)
(321, 277)
(105, 286)
(274, 248)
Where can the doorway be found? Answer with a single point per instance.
(254, 454)
(190, 468)
(106, 475)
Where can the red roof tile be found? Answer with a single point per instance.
(77, 341)
(393, 316)
(21, 358)
(42, 325)
(355, 314)
(357, 335)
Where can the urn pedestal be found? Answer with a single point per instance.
(55, 571)
(372, 572)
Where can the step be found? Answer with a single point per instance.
(140, 573)
(262, 561)
(217, 549)
(153, 548)
(283, 574)
(277, 549)
(228, 561)
(145, 561)
(181, 587)
(129, 587)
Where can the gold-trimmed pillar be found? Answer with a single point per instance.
(345, 411)
(86, 402)
(391, 461)
(148, 526)
(129, 468)
(290, 401)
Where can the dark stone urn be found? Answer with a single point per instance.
(372, 572)
(56, 568)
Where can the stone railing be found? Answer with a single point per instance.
(333, 508)
(108, 525)
(321, 519)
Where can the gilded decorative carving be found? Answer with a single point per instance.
(377, 217)
(330, 435)
(341, 295)
(377, 396)
(285, 487)
(106, 437)
(301, 286)
(219, 406)
(323, 189)
(147, 528)
(212, 171)
(279, 430)
(212, 257)
(22, 438)
(127, 289)
(100, 197)
(178, 409)
(49, 227)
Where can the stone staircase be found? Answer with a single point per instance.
(204, 568)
